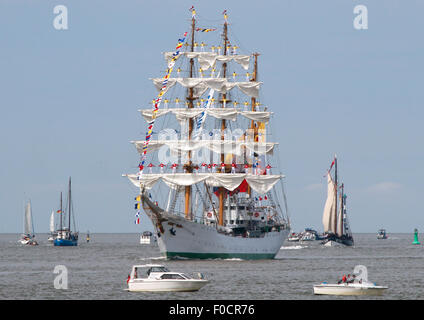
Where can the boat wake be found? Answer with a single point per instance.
(154, 258)
(292, 247)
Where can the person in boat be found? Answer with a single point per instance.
(343, 280)
(351, 279)
(135, 273)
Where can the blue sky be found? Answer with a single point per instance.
(69, 102)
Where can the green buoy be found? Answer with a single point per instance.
(416, 237)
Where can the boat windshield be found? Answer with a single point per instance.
(157, 269)
(172, 276)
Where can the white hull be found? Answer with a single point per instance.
(139, 285)
(355, 289)
(195, 240)
(28, 242)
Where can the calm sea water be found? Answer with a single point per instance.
(98, 270)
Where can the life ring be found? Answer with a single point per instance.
(209, 215)
(256, 214)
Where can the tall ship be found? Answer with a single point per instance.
(336, 225)
(207, 177)
(65, 237)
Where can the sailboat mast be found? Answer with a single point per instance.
(336, 189)
(69, 204)
(224, 100)
(342, 204)
(190, 98)
(32, 222)
(61, 212)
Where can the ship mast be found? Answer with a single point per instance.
(61, 213)
(253, 102)
(223, 101)
(190, 98)
(69, 204)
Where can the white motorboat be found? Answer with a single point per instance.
(349, 289)
(355, 285)
(157, 278)
(147, 237)
(382, 234)
(293, 237)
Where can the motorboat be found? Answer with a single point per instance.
(157, 278)
(147, 237)
(310, 235)
(349, 289)
(293, 237)
(356, 284)
(382, 234)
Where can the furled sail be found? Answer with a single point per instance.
(259, 183)
(208, 59)
(218, 113)
(329, 215)
(28, 219)
(229, 146)
(221, 85)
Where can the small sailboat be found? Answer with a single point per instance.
(65, 237)
(53, 233)
(310, 235)
(336, 227)
(28, 237)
